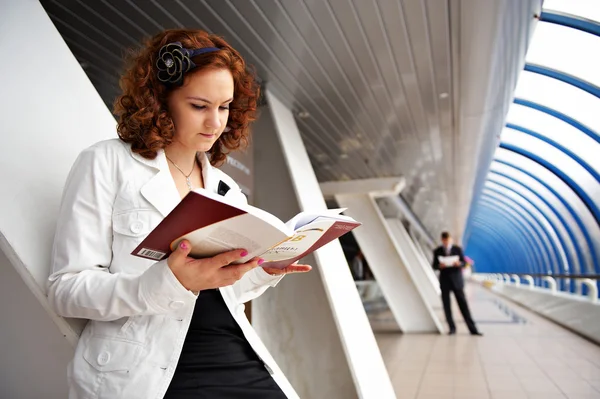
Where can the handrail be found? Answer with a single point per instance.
(517, 279)
(574, 276)
(591, 284)
(551, 283)
(592, 289)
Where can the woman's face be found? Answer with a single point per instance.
(200, 108)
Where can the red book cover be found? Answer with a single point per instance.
(192, 213)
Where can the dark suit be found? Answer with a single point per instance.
(451, 279)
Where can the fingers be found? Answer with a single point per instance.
(181, 252)
(302, 268)
(229, 257)
(183, 249)
(236, 272)
(297, 269)
(294, 268)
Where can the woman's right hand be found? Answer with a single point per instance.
(202, 274)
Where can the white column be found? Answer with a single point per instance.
(426, 262)
(49, 112)
(424, 277)
(385, 257)
(395, 210)
(314, 325)
(424, 251)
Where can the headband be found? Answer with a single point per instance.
(174, 60)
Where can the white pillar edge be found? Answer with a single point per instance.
(417, 270)
(426, 264)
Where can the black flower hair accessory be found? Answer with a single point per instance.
(174, 61)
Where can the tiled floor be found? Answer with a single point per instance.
(521, 356)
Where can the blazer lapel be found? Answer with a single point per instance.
(160, 190)
(208, 174)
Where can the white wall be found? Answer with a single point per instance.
(49, 111)
(33, 352)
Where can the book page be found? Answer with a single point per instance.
(240, 232)
(448, 261)
(269, 218)
(299, 243)
(257, 212)
(307, 239)
(305, 218)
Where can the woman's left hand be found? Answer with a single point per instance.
(294, 268)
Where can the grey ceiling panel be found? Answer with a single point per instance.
(385, 87)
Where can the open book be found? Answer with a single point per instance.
(213, 225)
(448, 261)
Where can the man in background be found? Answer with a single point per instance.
(449, 260)
(358, 266)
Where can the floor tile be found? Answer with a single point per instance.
(434, 396)
(595, 384)
(575, 386)
(539, 385)
(502, 394)
(538, 395)
(537, 359)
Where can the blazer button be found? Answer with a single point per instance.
(176, 305)
(136, 227)
(103, 358)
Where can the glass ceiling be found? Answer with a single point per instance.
(543, 188)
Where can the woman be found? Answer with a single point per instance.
(174, 328)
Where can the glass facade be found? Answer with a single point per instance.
(539, 211)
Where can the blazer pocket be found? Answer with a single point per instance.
(135, 223)
(106, 355)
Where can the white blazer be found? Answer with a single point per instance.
(139, 312)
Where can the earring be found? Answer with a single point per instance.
(227, 129)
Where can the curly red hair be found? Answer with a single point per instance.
(144, 120)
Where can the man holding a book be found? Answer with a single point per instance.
(449, 260)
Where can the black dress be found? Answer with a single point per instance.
(217, 361)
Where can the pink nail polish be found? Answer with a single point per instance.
(261, 261)
(183, 245)
(244, 253)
